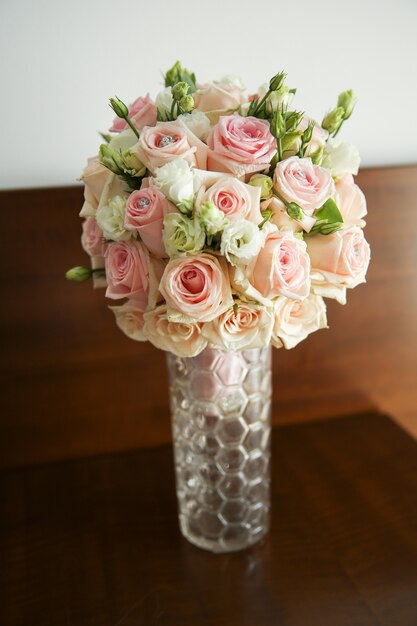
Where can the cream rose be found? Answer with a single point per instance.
(241, 327)
(197, 122)
(299, 180)
(295, 320)
(92, 237)
(167, 141)
(181, 338)
(350, 201)
(338, 261)
(94, 177)
(197, 287)
(224, 95)
(130, 320)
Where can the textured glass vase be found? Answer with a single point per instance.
(220, 405)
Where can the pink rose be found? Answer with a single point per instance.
(92, 237)
(298, 180)
(218, 97)
(341, 258)
(282, 268)
(145, 211)
(94, 177)
(167, 141)
(129, 318)
(197, 286)
(131, 273)
(245, 327)
(142, 112)
(181, 338)
(235, 199)
(240, 145)
(295, 320)
(350, 200)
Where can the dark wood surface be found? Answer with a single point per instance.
(73, 385)
(95, 542)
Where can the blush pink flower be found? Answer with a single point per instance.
(341, 259)
(245, 327)
(197, 286)
(92, 237)
(142, 112)
(235, 199)
(218, 97)
(94, 177)
(350, 201)
(240, 145)
(131, 273)
(181, 338)
(129, 318)
(295, 320)
(145, 211)
(299, 180)
(167, 141)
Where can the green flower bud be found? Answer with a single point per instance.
(295, 211)
(333, 119)
(119, 107)
(179, 90)
(277, 126)
(111, 159)
(347, 101)
(265, 183)
(292, 120)
(172, 75)
(187, 104)
(78, 274)
(211, 218)
(277, 81)
(308, 133)
(132, 165)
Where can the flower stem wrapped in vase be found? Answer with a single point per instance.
(218, 222)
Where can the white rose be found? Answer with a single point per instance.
(295, 320)
(163, 100)
(242, 327)
(241, 242)
(176, 181)
(130, 320)
(340, 158)
(110, 217)
(182, 235)
(123, 141)
(181, 338)
(197, 122)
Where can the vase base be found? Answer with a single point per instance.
(236, 537)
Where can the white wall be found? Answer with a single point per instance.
(60, 60)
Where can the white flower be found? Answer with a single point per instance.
(110, 217)
(123, 141)
(182, 235)
(197, 122)
(340, 158)
(212, 218)
(163, 100)
(241, 241)
(276, 99)
(232, 80)
(176, 181)
(295, 320)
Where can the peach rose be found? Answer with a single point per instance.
(295, 320)
(167, 141)
(299, 180)
(92, 237)
(282, 268)
(131, 273)
(181, 338)
(129, 318)
(340, 260)
(246, 326)
(240, 145)
(145, 210)
(218, 97)
(350, 200)
(94, 177)
(235, 199)
(197, 286)
(142, 112)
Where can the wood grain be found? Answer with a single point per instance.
(96, 542)
(73, 385)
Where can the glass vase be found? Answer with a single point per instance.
(221, 406)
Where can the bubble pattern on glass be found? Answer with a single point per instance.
(220, 404)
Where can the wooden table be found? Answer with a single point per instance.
(95, 542)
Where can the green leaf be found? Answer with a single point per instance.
(329, 212)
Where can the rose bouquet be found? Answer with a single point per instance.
(219, 219)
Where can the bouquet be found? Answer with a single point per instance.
(221, 219)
